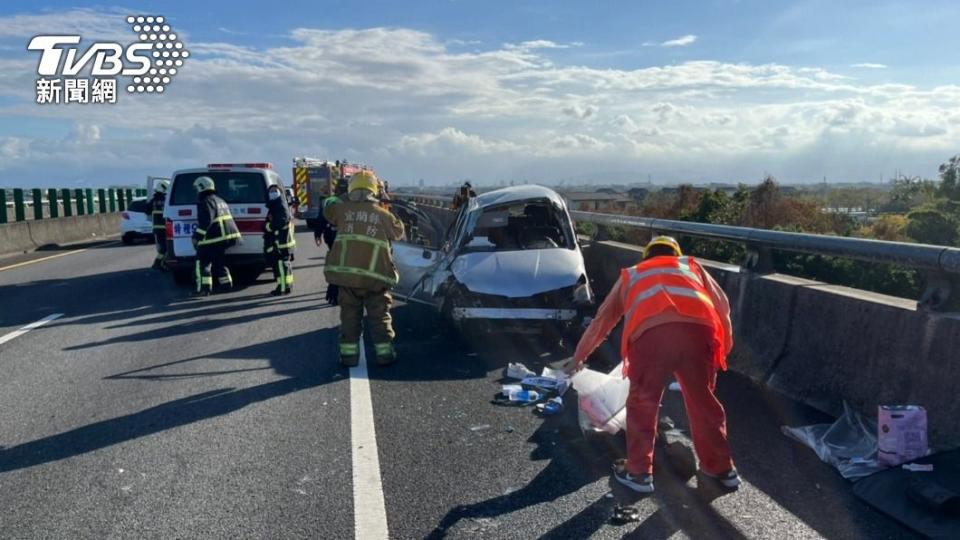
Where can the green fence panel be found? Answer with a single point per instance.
(78, 195)
(129, 197)
(3, 206)
(102, 200)
(67, 204)
(52, 203)
(37, 203)
(112, 193)
(88, 198)
(18, 210)
(121, 200)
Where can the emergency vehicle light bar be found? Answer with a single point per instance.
(263, 165)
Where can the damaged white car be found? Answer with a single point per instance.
(510, 262)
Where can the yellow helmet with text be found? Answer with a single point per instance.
(364, 180)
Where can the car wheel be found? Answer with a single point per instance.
(128, 238)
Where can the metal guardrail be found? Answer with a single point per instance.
(941, 264)
(920, 256)
(430, 200)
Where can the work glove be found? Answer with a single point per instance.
(332, 292)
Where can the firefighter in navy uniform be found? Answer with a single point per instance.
(155, 204)
(216, 231)
(278, 240)
(361, 265)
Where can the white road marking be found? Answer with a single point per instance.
(369, 510)
(29, 327)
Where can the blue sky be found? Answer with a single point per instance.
(716, 90)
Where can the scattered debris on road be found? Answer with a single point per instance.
(624, 514)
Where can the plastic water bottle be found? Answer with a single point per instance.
(525, 396)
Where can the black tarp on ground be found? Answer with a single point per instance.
(889, 492)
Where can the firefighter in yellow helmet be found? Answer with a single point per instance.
(361, 265)
(155, 204)
(216, 231)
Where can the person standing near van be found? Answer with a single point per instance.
(216, 231)
(361, 266)
(155, 204)
(677, 322)
(279, 241)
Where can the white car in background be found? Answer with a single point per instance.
(135, 222)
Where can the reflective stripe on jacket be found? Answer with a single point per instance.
(361, 256)
(155, 205)
(214, 222)
(278, 226)
(669, 284)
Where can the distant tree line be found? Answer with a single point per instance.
(913, 210)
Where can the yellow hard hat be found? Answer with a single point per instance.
(663, 241)
(364, 180)
(161, 186)
(204, 183)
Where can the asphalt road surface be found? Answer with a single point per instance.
(130, 410)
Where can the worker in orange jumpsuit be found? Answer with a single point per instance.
(677, 324)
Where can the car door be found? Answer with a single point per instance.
(418, 254)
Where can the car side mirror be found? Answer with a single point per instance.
(427, 254)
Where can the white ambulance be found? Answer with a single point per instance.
(244, 188)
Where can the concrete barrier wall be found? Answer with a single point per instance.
(824, 344)
(29, 235)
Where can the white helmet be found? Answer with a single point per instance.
(161, 187)
(204, 183)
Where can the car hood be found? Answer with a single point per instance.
(516, 274)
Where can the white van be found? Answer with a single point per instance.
(244, 188)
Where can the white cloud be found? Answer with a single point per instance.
(681, 41)
(538, 44)
(414, 106)
(869, 65)
(580, 112)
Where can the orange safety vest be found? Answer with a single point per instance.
(662, 284)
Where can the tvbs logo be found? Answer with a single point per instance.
(151, 62)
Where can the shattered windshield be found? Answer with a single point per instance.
(518, 226)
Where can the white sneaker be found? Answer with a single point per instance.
(642, 483)
(729, 479)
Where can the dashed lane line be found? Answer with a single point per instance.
(369, 510)
(17, 333)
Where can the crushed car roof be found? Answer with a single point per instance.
(518, 193)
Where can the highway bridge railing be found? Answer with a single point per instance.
(35, 204)
(940, 264)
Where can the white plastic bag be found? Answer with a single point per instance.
(602, 399)
(901, 433)
(849, 444)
